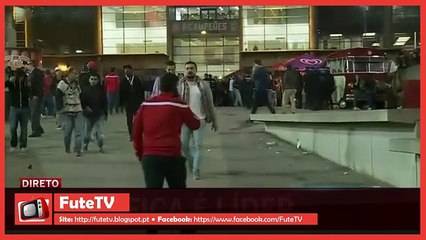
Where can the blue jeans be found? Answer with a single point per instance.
(21, 116)
(72, 122)
(99, 130)
(49, 105)
(113, 102)
(193, 154)
(238, 102)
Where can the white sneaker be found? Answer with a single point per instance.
(369, 109)
(23, 150)
(356, 108)
(196, 174)
(12, 149)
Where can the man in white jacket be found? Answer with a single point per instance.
(197, 93)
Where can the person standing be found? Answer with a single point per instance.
(20, 90)
(198, 95)
(156, 135)
(36, 78)
(291, 83)
(262, 84)
(170, 68)
(57, 78)
(112, 85)
(95, 110)
(68, 104)
(9, 73)
(131, 95)
(48, 104)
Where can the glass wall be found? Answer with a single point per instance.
(365, 27)
(275, 27)
(203, 13)
(134, 29)
(217, 55)
(215, 52)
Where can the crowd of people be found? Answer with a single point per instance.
(81, 102)
(165, 118)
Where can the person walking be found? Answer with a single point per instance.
(20, 90)
(156, 135)
(131, 95)
(198, 95)
(36, 78)
(262, 83)
(95, 110)
(69, 106)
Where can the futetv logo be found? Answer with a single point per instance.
(97, 202)
(91, 202)
(33, 209)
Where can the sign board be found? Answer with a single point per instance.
(228, 27)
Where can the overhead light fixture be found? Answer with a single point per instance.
(399, 44)
(336, 35)
(375, 45)
(203, 32)
(78, 51)
(369, 34)
(401, 41)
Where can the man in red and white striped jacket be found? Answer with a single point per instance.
(157, 135)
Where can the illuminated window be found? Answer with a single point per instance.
(275, 27)
(134, 29)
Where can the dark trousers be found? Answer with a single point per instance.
(36, 107)
(261, 98)
(113, 102)
(49, 106)
(130, 113)
(19, 116)
(158, 168)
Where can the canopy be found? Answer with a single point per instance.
(308, 61)
(301, 62)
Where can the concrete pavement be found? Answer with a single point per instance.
(240, 154)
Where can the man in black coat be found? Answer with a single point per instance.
(131, 95)
(36, 79)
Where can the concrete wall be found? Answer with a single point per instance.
(363, 147)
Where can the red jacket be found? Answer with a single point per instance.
(158, 123)
(112, 83)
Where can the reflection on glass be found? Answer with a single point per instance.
(210, 53)
(275, 28)
(134, 29)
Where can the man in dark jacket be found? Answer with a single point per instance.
(20, 90)
(95, 111)
(157, 133)
(291, 83)
(131, 95)
(36, 79)
(262, 83)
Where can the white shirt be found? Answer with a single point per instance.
(231, 85)
(195, 101)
